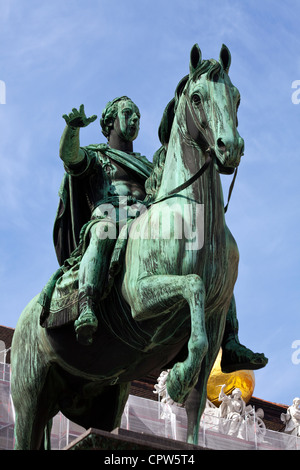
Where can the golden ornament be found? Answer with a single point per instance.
(242, 379)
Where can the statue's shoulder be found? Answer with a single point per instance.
(95, 149)
(97, 152)
(144, 160)
(102, 153)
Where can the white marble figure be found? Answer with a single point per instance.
(161, 388)
(231, 411)
(166, 402)
(233, 417)
(239, 420)
(292, 418)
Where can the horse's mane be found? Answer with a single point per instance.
(152, 185)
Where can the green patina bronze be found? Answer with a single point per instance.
(147, 265)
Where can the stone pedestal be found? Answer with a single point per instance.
(123, 440)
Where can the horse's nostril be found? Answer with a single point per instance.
(221, 145)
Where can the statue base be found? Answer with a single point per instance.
(123, 440)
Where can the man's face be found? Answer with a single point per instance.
(127, 122)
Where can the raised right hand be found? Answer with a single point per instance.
(77, 118)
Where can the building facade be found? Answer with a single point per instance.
(143, 413)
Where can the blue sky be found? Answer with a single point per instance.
(56, 55)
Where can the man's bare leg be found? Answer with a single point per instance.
(92, 279)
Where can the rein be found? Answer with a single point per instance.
(186, 183)
(230, 190)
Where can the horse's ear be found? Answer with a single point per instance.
(195, 58)
(225, 58)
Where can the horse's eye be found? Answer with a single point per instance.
(196, 99)
(216, 77)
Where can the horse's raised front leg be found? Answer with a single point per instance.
(154, 295)
(196, 402)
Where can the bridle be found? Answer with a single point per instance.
(203, 137)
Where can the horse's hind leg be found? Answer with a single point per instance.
(31, 417)
(29, 427)
(153, 297)
(29, 371)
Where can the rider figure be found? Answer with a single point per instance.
(120, 124)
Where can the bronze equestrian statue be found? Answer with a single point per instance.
(147, 265)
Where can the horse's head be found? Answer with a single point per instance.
(211, 108)
(209, 102)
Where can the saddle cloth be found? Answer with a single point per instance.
(59, 298)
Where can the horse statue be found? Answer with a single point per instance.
(168, 305)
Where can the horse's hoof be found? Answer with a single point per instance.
(176, 386)
(236, 357)
(85, 328)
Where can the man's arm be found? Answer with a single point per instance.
(69, 148)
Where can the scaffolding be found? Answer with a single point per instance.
(147, 417)
(7, 417)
